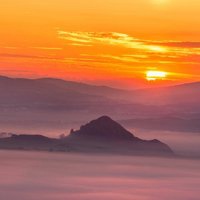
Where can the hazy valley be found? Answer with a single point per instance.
(52, 107)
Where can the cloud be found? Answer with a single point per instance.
(36, 47)
(180, 44)
(111, 52)
(81, 44)
(8, 47)
(111, 38)
(47, 48)
(88, 177)
(26, 56)
(168, 48)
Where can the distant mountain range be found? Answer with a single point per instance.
(102, 135)
(179, 95)
(49, 92)
(47, 100)
(165, 123)
(38, 90)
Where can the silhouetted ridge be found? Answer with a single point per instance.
(102, 135)
(30, 137)
(103, 128)
(3, 78)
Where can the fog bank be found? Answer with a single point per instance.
(50, 176)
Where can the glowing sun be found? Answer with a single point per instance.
(155, 75)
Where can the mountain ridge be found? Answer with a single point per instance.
(51, 79)
(42, 100)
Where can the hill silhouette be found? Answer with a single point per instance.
(102, 135)
(103, 128)
(108, 135)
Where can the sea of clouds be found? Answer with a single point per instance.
(61, 176)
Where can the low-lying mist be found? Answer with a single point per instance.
(50, 176)
(183, 143)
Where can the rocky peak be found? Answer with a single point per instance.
(103, 128)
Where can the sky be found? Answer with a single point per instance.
(109, 42)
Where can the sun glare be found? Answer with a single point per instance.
(155, 75)
(157, 49)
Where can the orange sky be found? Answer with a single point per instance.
(101, 41)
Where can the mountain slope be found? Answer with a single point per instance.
(180, 95)
(165, 123)
(103, 128)
(27, 142)
(50, 93)
(83, 87)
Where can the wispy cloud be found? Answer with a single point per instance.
(47, 48)
(111, 38)
(9, 47)
(25, 56)
(110, 52)
(168, 48)
(181, 44)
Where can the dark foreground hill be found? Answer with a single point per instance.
(102, 135)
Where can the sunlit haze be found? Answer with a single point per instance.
(99, 99)
(110, 42)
